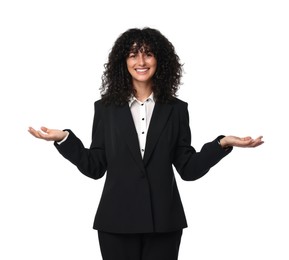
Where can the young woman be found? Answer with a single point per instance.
(140, 131)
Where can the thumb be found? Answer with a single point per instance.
(44, 129)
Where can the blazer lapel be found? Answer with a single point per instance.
(159, 118)
(128, 131)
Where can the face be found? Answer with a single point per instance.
(141, 65)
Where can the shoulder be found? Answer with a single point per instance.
(100, 105)
(101, 108)
(178, 103)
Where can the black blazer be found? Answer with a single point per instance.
(140, 195)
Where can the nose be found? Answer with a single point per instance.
(141, 59)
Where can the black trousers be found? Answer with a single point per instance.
(151, 246)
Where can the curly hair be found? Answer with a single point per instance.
(117, 85)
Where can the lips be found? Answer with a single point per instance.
(142, 70)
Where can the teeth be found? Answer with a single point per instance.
(141, 70)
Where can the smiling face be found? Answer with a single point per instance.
(141, 64)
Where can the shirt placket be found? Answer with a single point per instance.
(143, 127)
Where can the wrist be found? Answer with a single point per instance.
(63, 139)
(222, 142)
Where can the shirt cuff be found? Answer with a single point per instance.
(64, 139)
(219, 139)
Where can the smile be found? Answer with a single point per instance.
(142, 70)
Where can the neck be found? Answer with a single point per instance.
(143, 91)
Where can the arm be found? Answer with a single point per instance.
(91, 162)
(192, 165)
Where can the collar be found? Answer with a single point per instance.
(133, 99)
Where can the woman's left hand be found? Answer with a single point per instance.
(248, 141)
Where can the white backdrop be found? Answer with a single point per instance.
(235, 56)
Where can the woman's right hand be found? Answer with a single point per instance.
(48, 134)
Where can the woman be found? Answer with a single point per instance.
(140, 130)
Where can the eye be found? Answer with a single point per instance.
(131, 55)
(149, 54)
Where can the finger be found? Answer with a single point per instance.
(259, 137)
(33, 132)
(258, 142)
(44, 129)
(42, 135)
(31, 129)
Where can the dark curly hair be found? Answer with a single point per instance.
(117, 86)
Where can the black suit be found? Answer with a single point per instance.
(140, 195)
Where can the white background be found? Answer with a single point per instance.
(235, 56)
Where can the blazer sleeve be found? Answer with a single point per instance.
(91, 162)
(192, 165)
